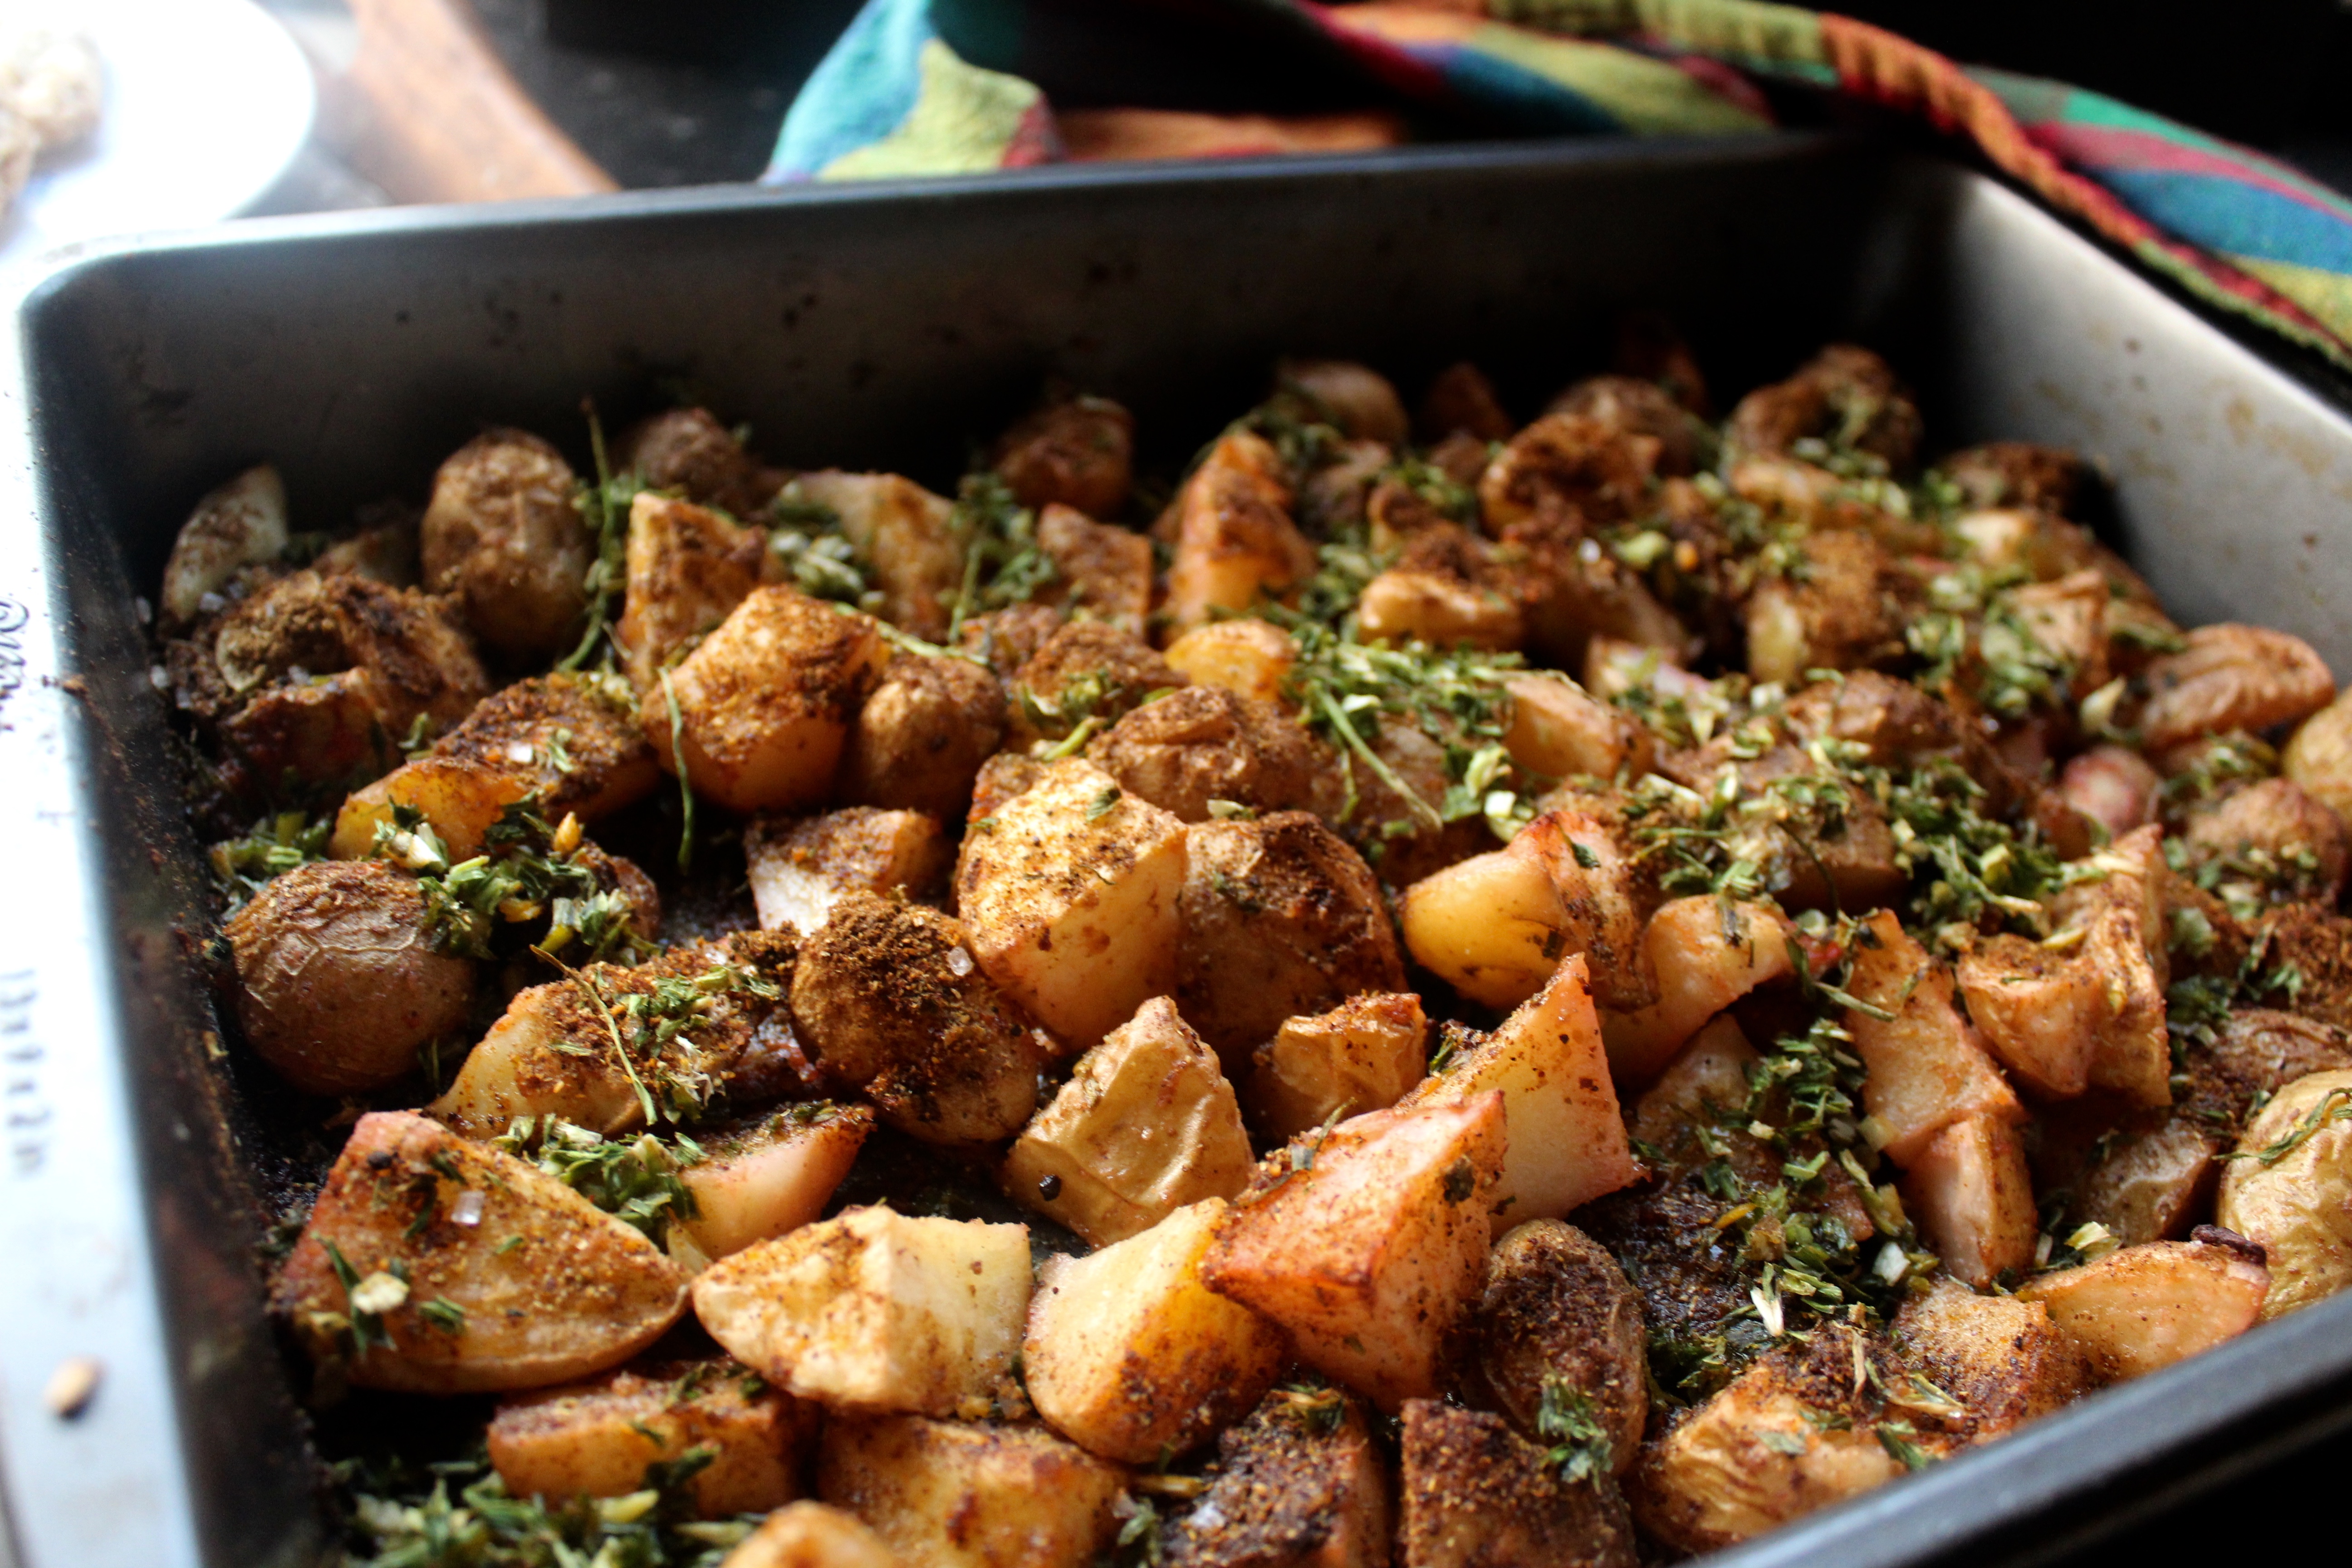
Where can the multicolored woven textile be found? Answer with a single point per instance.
(2240, 230)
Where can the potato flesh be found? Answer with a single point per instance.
(2038, 1012)
(1103, 569)
(1566, 1142)
(800, 868)
(2232, 677)
(2318, 756)
(575, 738)
(1704, 962)
(548, 1287)
(1371, 1253)
(1247, 657)
(1070, 895)
(1236, 542)
(2297, 1205)
(543, 1057)
(765, 702)
(1363, 1054)
(595, 1439)
(874, 1311)
(2143, 1307)
(2123, 915)
(1131, 1356)
(1969, 1191)
(904, 534)
(1493, 926)
(240, 524)
(772, 1180)
(459, 801)
(1146, 1125)
(2001, 1357)
(1403, 603)
(807, 1534)
(1925, 1068)
(959, 1495)
(1706, 1081)
(686, 570)
(1558, 730)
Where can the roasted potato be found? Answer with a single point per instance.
(2318, 756)
(1556, 1306)
(770, 1176)
(686, 568)
(1460, 399)
(1567, 1143)
(504, 537)
(1247, 657)
(1558, 730)
(1300, 1484)
(906, 536)
(1236, 542)
(1280, 918)
(1077, 454)
(1203, 744)
(1146, 1125)
(1100, 570)
(576, 738)
(1926, 1068)
(2001, 1359)
(1845, 394)
(1969, 1191)
(800, 868)
(240, 524)
(756, 717)
(1085, 676)
(1370, 1242)
(1707, 953)
(921, 737)
(339, 985)
(1566, 469)
(873, 1311)
(459, 801)
(2122, 917)
(887, 999)
(1362, 1055)
(1357, 398)
(2230, 676)
(1421, 602)
(594, 1439)
(1070, 893)
(687, 450)
(2285, 1190)
(1846, 611)
(434, 1265)
(1129, 1355)
(1477, 1493)
(2291, 841)
(1703, 1087)
(812, 1535)
(2143, 1307)
(961, 1495)
(2114, 788)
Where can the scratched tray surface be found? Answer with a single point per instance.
(884, 328)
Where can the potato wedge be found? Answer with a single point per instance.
(1494, 926)
(1556, 1305)
(904, 534)
(1070, 893)
(1969, 1193)
(2286, 1190)
(800, 867)
(1478, 1495)
(459, 801)
(1363, 1054)
(1100, 568)
(2039, 1012)
(807, 1534)
(2231, 677)
(1236, 542)
(241, 523)
(1567, 1143)
(1129, 1355)
(1558, 730)
(765, 702)
(921, 738)
(1146, 1125)
(1706, 1083)
(874, 1310)
(772, 1176)
(1704, 960)
(594, 1439)
(1926, 1070)
(512, 1280)
(2123, 915)
(1999, 1357)
(2318, 756)
(1247, 657)
(958, 1495)
(574, 738)
(687, 568)
(2143, 1307)
(1369, 1243)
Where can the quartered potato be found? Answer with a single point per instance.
(434, 1265)
(1476, 1492)
(807, 1534)
(770, 1176)
(1301, 1481)
(1370, 1242)
(1130, 1355)
(1363, 1054)
(2288, 1190)
(1235, 540)
(2143, 1307)
(874, 1310)
(800, 868)
(241, 524)
(963, 1494)
(903, 533)
(1926, 1068)
(687, 568)
(1557, 1310)
(923, 735)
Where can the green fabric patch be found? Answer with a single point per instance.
(2326, 295)
(963, 120)
(1783, 40)
(1645, 95)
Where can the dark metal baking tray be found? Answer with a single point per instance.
(886, 326)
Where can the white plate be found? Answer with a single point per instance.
(207, 102)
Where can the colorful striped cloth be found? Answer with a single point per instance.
(894, 96)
